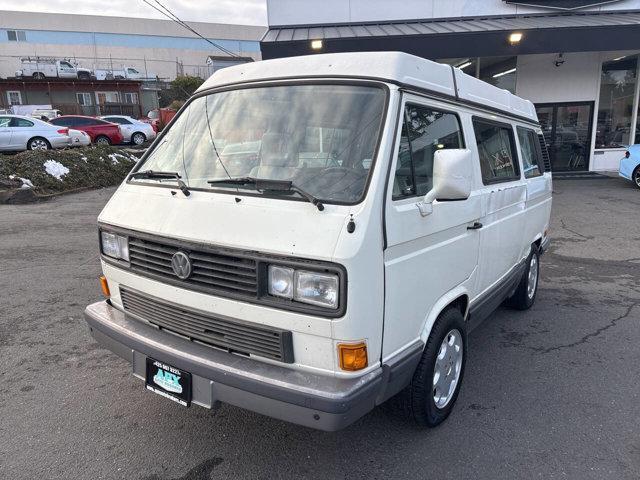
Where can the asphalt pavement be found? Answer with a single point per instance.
(552, 392)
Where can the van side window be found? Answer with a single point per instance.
(424, 131)
(496, 148)
(529, 149)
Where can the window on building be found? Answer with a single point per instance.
(14, 97)
(84, 99)
(496, 150)
(530, 150)
(424, 132)
(615, 106)
(107, 97)
(16, 36)
(131, 97)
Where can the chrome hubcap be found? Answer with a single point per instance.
(38, 144)
(446, 372)
(103, 141)
(138, 140)
(532, 281)
(637, 178)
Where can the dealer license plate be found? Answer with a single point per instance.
(168, 381)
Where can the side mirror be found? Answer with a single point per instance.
(451, 178)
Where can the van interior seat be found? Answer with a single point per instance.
(277, 162)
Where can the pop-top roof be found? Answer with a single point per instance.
(395, 67)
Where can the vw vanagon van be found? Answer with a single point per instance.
(314, 236)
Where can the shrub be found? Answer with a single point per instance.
(53, 171)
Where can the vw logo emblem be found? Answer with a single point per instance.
(181, 264)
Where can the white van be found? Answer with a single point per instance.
(387, 204)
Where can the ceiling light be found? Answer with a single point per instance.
(515, 38)
(316, 44)
(464, 65)
(619, 58)
(506, 72)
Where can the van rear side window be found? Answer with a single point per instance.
(424, 131)
(529, 149)
(496, 149)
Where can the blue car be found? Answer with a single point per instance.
(630, 165)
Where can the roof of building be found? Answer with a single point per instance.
(452, 25)
(395, 67)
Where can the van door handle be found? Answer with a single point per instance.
(475, 226)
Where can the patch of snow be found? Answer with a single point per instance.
(114, 158)
(55, 169)
(84, 158)
(26, 183)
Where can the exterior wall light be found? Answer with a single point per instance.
(515, 38)
(316, 44)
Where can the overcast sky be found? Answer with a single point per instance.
(251, 12)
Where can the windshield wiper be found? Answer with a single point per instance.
(268, 185)
(161, 175)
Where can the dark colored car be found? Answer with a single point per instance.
(101, 132)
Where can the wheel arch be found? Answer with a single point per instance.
(457, 298)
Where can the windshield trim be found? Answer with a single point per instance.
(274, 83)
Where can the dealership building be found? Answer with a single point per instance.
(576, 60)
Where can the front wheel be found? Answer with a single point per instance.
(525, 294)
(102, 140)
(38, 143)
(434, 388)
(636, 176)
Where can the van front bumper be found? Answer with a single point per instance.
(316, 401)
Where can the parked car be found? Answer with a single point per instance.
(46, 114)
(48, 67)
(79, 138)
(127, 72)
(630, 165)
(100, 131)
(312, 293)
(18, 132)
(134, 131)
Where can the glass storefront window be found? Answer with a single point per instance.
(615, 108)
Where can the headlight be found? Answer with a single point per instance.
(280, 281)
(304, 286)
(316, 288)
(115, 246)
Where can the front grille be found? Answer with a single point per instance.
(231, 335)
(212, 271)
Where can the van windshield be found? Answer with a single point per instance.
(320, 137)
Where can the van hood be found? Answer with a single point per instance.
(279, 226)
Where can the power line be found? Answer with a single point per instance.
(174, 18)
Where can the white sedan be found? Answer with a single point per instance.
(134, 131)
(18, 133)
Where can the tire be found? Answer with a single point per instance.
(138, 138)
(635, 176)
(102, 140)
(525, 295)
(38, 76)
(420, 401)
(38, 143)
(84, 76)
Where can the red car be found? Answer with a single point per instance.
(101, 132)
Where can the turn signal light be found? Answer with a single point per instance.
(105, 286)
(353, 356)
